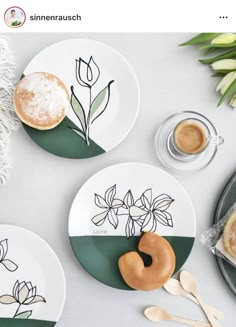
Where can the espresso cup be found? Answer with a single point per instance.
(191, 137)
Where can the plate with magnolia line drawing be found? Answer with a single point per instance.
(28, 294)
(116, 205)
(104, 98)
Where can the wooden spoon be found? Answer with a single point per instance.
(188, 282)
(174, 287)
(158, 314)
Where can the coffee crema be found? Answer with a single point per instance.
(190, 137)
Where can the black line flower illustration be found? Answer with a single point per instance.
(156, 211)
(87, 75)
(110, 207)
(8, 264)
(133, 212)
(23, 294)
(144, 213)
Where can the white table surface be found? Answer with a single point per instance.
(42, 186)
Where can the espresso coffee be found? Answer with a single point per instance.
(190, 137)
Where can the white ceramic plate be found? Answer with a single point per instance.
(32, 288)
(92, 126)
(115, 205)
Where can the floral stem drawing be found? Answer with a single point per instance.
(18, 309)
(145, 212)
(88, 119)
(23, 294)
(8, 264)
(87, 75)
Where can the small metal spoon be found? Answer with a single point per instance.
(158, 314)
(188, 282)
(174, 287)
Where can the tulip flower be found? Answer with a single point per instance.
(24, 294)
(87, 73)
(227, 38)
(226, 82)
(224, 64)
(233, 102)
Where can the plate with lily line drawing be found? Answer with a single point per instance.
(32, 288)
(104, 97)
(116, 205)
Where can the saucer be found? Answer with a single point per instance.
(166, 154)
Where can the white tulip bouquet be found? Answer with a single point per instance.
(224, 64)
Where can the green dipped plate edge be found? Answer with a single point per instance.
(99, 255)
(62, 141)
(10, 322)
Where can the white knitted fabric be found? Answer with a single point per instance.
(8, 119)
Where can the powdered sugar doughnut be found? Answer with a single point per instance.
(41, 100)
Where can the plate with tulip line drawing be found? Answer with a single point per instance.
(29, 296)
(116, 205)
(104, 98)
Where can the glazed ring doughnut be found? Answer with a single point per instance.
(139, 277)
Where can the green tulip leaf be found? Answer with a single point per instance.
(227, 55)
(78, 109)
(76, 131)
(224, 71)
(210, 50)
(217, 75)
(228, 93)
(24, 315)
(100, 103)
(221, 46)
(200, 38)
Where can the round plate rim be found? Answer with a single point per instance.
(216, 218)
(127, 63)
(55, 256)
(144, 165)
